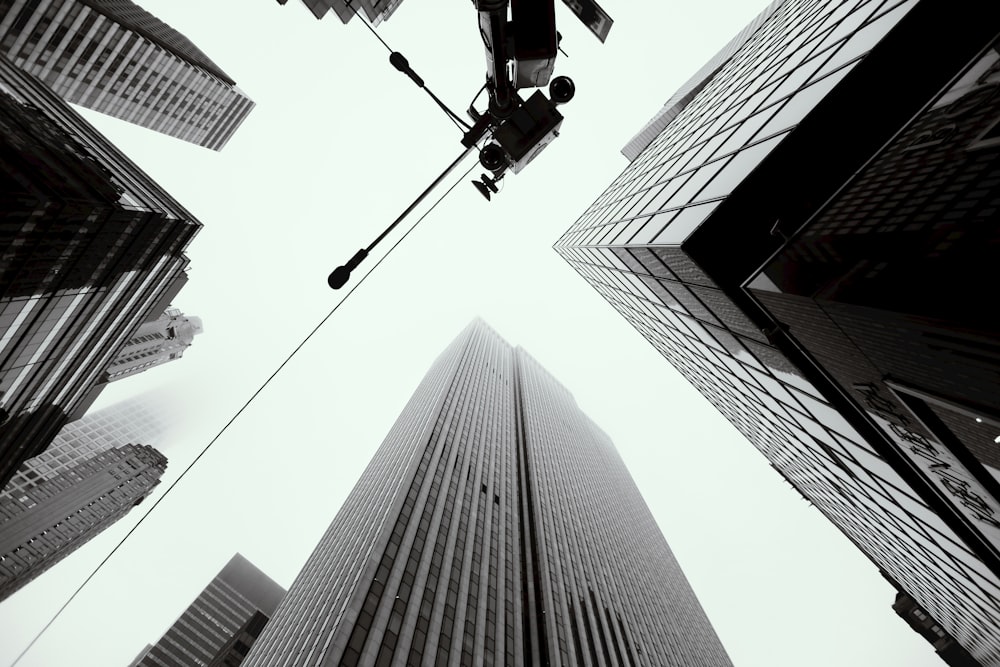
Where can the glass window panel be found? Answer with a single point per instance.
(685, 222)
(649, 231)
(796, 108)
(746, 130)
(738, 167)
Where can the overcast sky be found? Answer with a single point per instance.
(338, 145)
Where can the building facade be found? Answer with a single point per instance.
(157, 342)
(114, 57)
(810, 341)
(888, 286)
(944, 644)
(496, 525)
(135, 421)
(375, 11)
(222, 623)
(45, 521)
(91, 249)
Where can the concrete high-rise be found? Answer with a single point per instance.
(134, 421)
(496, 525)
(114, 57)
(222, 623)
(91, 249)
(45, 521)
(808, 233)
(156, 342)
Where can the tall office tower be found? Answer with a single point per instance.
(114, 57)
(57, 515)
(841, 351)
(91, 249)
(137, 420)
(496, 525)
(157, 342)
(222, 623)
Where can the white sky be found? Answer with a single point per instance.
(338, 145)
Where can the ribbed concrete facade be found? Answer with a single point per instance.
(114, 57)
(496, 525)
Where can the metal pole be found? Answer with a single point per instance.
(339, 277)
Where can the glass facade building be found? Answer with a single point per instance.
(49, 519)
(222, 623)
(114, 57)
(765, 139)
(890, 286)
(91, 249)
(496, 525)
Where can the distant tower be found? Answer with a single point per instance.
(91, 249)
(496, 525)
(45, 521)
(114, 57)
(137, 420)
(222, 623)
(157, 342)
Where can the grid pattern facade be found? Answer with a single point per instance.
(897, 268)
(756, 99)
(496, 525)
(92, 248)
(130, 422)
(693, 86)
(154, 343)
(636, 246)
(112, 56)
(222, 623)
(48, 521)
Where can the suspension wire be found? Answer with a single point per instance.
(409, 209)
(400, 63)
(235, 416)
(350, 4)
(452, 116)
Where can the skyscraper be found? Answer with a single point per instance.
(43, 522)
(496, 525)
(153, 343)
(134, 421)
(91, 249)
(222, 623)
(835, 348)
(114, 57)
(904, 321)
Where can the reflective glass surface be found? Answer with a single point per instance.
(629, 245)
